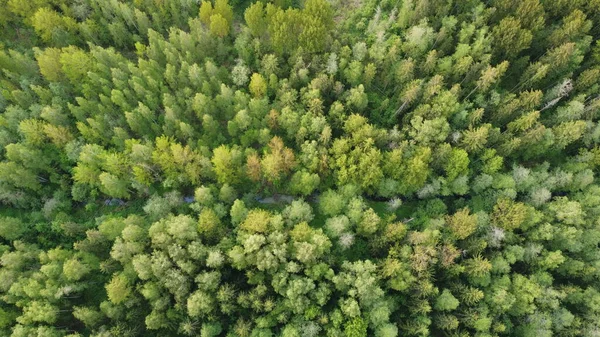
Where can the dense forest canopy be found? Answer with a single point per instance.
(299, 168)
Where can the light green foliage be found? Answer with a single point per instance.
(357, 99)
(299, 168)
(509, 214)
(113, 186)
(446, 301)
(511, 37)
(218, 18)
(410, 172)
(308, 244)
(568, 212)
(457, 164)
(275, 164)
(209, 224)
(203, 196)
(255, 19)
(200, 304)
(298, 211)
(240, 73)
(308, 28)
(462, 224)
(112, 227)
(331, 203)
(180, 164)
(74, 269)
(32, 131)
(75, 63)
(369, 223)
(317, 21)
(304, 183)
(206, 11)
(210, 330)
(256, 221)
(118, 289)
(49, 63)
(50, 25)
(11, 228)
(238, 211)
(356, 327)
(227, 194)
(88, 316)
(223, 8)
(219, 25)
(387, 330)
(160, 206)
(568, 132)
(39, 312)
(337, 226)
(258, 85)
(180, 228)
(227, 164)
(356, 159)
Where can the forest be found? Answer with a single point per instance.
(299, 168)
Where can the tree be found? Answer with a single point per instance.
(489, 76)
(317, 21)
(209, 225)
(74, 269)
(223, 8)
(49, 63)
(75, 63)
(238, 211)
(160, 206)
(111, 228)
(450, 148)
(446, 301)
(33, 131)
(219, 25)
(88, 316)
(258, 85)
(298, 211)
(457, 164)
(179, 163)
(38, 311)
(256, 221)
(200, 304)
(255, 19)
(369, 223)
(118, 289)
(355, 159)
(331, 203)
(568, 132)
(462, 224)
(11, 228)
(206, 11)
(227, 164)
(240, 72)
(574, 25)
(283, 27)
(356, 327)
(510, 39)
(51, 26)
(114, 186)
(357, 98)
(304, 183)
(508, 214)
(180, 227)
(278, 162)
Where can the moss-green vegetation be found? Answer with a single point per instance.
(299, 168)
